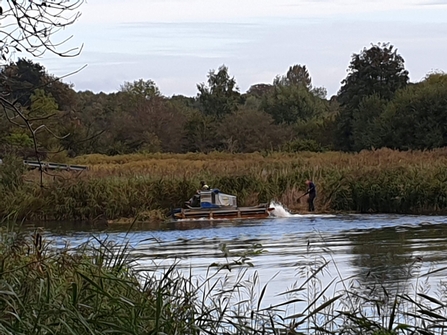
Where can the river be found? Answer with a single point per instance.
(396, 251)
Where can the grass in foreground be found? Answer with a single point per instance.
(99, 288)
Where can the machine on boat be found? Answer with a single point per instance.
(213, 204)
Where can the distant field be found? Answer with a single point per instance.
(224, 162)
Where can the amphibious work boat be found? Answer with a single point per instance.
(214, 204)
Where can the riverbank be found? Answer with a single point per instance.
(257, 279)
(148, 186)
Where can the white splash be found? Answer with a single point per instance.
(280, 211)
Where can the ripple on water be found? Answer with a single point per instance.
(369, 247)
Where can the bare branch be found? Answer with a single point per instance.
(52, 133)
(30, 26)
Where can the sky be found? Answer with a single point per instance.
(176, 43)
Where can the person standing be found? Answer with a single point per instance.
(312, 191)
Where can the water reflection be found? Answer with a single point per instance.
(393, 256)
(389, 249)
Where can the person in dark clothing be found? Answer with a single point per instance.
(312, 191)
(195, 200)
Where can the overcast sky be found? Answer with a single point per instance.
(177, 42)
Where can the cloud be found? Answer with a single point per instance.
(102, 11)
(177, 54)
(433, 3)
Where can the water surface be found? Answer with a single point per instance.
(394, 250)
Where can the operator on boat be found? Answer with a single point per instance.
(203, 187)
(312, 191)
(195, 200)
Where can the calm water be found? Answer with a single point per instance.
(391, 249)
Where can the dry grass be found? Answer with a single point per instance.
(227, 164)
(124, 186)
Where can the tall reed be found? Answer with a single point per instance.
(125, 186)
(101, 287)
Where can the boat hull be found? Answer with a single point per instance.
(257, 212)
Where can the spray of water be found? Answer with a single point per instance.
(280, 211)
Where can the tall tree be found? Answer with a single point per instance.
(417, 117)
(221, 96)
(94, 115)
(290, 104)
(199, 133)
(367, 130)
(19, 79)
(291, 98)
(249, 131)
(378, 71)
(296, 75)
(29, 26)
(141, 89)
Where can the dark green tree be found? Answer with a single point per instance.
(417, 117)
(30, 96)
(290, 104)
(221, 96)
(94, 122)
(30, 27)
(260, 90)
(199, 133)
(136, 119)
(19, 80)
(297, 75)
(141, 89)
(367, 128)
(378, 71)
(292, 99)
(249, 130)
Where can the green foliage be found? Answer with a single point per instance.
(199, 132)
(103, 287)
(367, 125)
(317, 130)
(141, 89)
(303, 145)
(374, 109)
(20, 79)
(417, 118)
(31, 107)
(144, 125)
(42, 104)
(297, 75)
(19, 140)
(288, 104)
(378, 71)
(11, 174)
(249, 130)
(291, 99)
(221, 95)
(259, 90)
(94, 289)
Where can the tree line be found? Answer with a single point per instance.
(376, 106)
